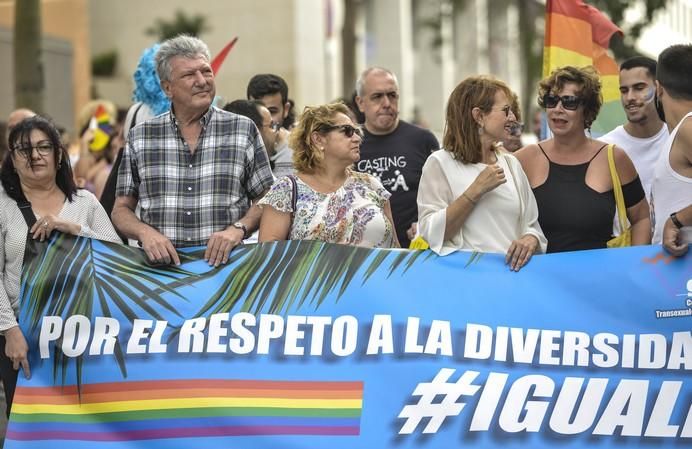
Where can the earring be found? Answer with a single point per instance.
(480, 130)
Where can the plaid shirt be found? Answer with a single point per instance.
(187, 197)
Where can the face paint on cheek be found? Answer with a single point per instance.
(649, 96)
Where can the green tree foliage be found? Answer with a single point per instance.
(29, 84)
(180, 24)
(104, 64)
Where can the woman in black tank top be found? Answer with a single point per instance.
(569, 173)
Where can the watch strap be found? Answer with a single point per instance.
(242, 227)
(676, 222)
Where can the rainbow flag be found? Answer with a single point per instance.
(579, 35)
(102, 129)
(149, 410)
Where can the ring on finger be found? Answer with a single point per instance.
(45, 224)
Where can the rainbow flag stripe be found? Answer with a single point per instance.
(579, 35)
(147, 410)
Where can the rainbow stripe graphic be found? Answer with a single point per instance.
(126, 411)
(579, 35)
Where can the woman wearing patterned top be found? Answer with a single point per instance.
(333, 203)
(37, 170)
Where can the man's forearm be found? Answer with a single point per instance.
(127, 223)
(252, 218)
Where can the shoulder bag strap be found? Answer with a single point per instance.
(294, 198)
(617, 190)
(25, 209)
(32, 247)
(134, 116)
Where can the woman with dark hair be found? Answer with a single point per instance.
(36, 174)
(473, 194)
(326, 200)
(570, 174)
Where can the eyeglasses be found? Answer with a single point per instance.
(273, 126)
(507, 109)
(43, 148)
(569, 102)
(516, 128)
(348, 130)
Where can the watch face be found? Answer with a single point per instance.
(240, 226)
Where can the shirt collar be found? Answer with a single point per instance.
(204, 120)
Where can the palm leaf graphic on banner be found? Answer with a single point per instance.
(76, 276)
(72, 276)
(273, 277)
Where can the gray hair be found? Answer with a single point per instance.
(360, 82)
(181, 45)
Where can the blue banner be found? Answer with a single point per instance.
(312, 345)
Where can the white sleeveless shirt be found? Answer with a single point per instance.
(670, 191)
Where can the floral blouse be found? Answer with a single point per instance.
(352, 215)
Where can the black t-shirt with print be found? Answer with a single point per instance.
(397, 159)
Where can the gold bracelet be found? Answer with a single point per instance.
(468, 198)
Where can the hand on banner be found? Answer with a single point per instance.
(220, 245)
(520, 251)
(158, 248)
(16, 350)
(672, 239)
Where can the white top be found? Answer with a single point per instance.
(670, 191)
(283, 161)
(84, 209)
(501, 216)
(144, 112)
(644, 153)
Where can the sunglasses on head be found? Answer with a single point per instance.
(347, 130)
(569, 102)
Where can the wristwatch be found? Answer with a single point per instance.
(242, 227)
(674, 218)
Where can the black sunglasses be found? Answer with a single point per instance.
(348, 130)
(569, 102)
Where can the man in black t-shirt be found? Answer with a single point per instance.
(393, 150)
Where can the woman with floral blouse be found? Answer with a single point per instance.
(326, 200)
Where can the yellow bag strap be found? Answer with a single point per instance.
(617, 190)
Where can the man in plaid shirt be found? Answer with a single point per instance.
(196, 172)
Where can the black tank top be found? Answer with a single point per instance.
(572, 215)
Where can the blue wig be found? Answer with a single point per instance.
(147, 84)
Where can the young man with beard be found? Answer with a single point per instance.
(644, 134)
(671, 191)
(392, 149)
(272, 91)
